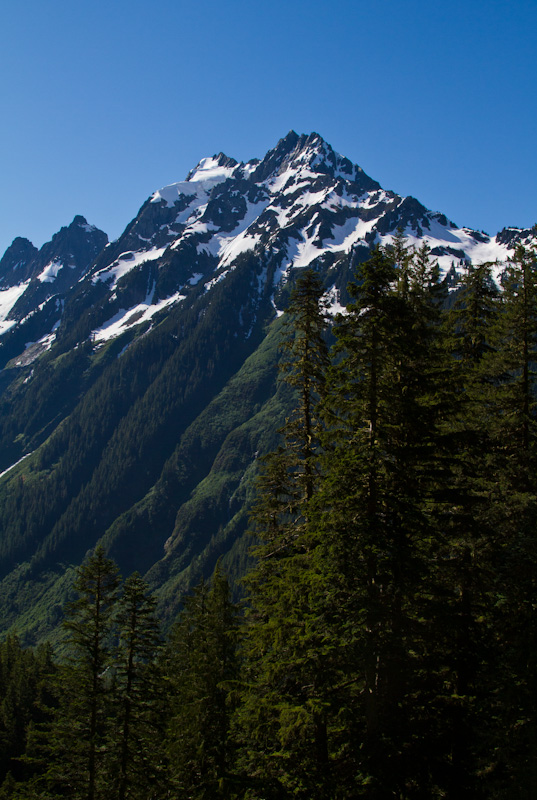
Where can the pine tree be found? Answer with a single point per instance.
(510, 414)
(75, 742)
(134, 761)
(461, 627)
(202, 668)
(381, 411)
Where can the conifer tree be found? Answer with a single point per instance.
(284, 716)
(202, 668)
(76, 739)
(474, 313)
(25, 677)
(401, 256)
(381, 412)
(461, 569)
(511, 408)
(136, 705)
(303, 366)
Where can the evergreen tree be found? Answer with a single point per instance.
(25, 677)
(284, 717)
(474, 313)
(202, 668)
(401, 256)
(381, 410)
(75, 743)
(461, 570)
(303, 366)
(510, 414)
(134, 761)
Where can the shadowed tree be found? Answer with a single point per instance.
(137, 704)
(78, 733)
(202, 668)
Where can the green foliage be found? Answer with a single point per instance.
(382, 403)
(24, 680)
(388, 644)
(284, 714)
(133, 759)
(378, 641)
(202, 672)
(79, 729)
(119, 439)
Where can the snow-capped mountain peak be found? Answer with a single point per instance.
(302, 204)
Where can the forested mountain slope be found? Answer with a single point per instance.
(139, 387)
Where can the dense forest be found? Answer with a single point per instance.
(385, 646)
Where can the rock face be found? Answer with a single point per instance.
(138, 378)
(33, 283)
(16, 263)
(60, 264)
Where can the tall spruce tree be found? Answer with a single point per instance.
(134, 759)
(202, 671)
(381, 412)
(462, 602)
(76, 739)
(510, 410)
(285, 715)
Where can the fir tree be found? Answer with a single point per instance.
(303, 366)
(462, 590)
(381, 411)
(510, 414)
(134, 760)
(202, 667)
(284, 714)
(76, 739)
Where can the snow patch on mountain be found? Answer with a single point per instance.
(50, 272)
(209, 169)
(14, 465)
(126, 318)
(125, 263)
(209, 285)
(238, 244)
(291, 181)
(45, 343)
(462, 240)
(333, 306)
(228, 245)
(207, 174)
(8, 298)
(301, 253)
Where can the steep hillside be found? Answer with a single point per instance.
(139, 388)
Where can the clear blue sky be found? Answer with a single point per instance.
(101, 103)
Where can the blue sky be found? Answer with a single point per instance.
(101, 103)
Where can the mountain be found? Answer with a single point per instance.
(139, 380)
(33, 285)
